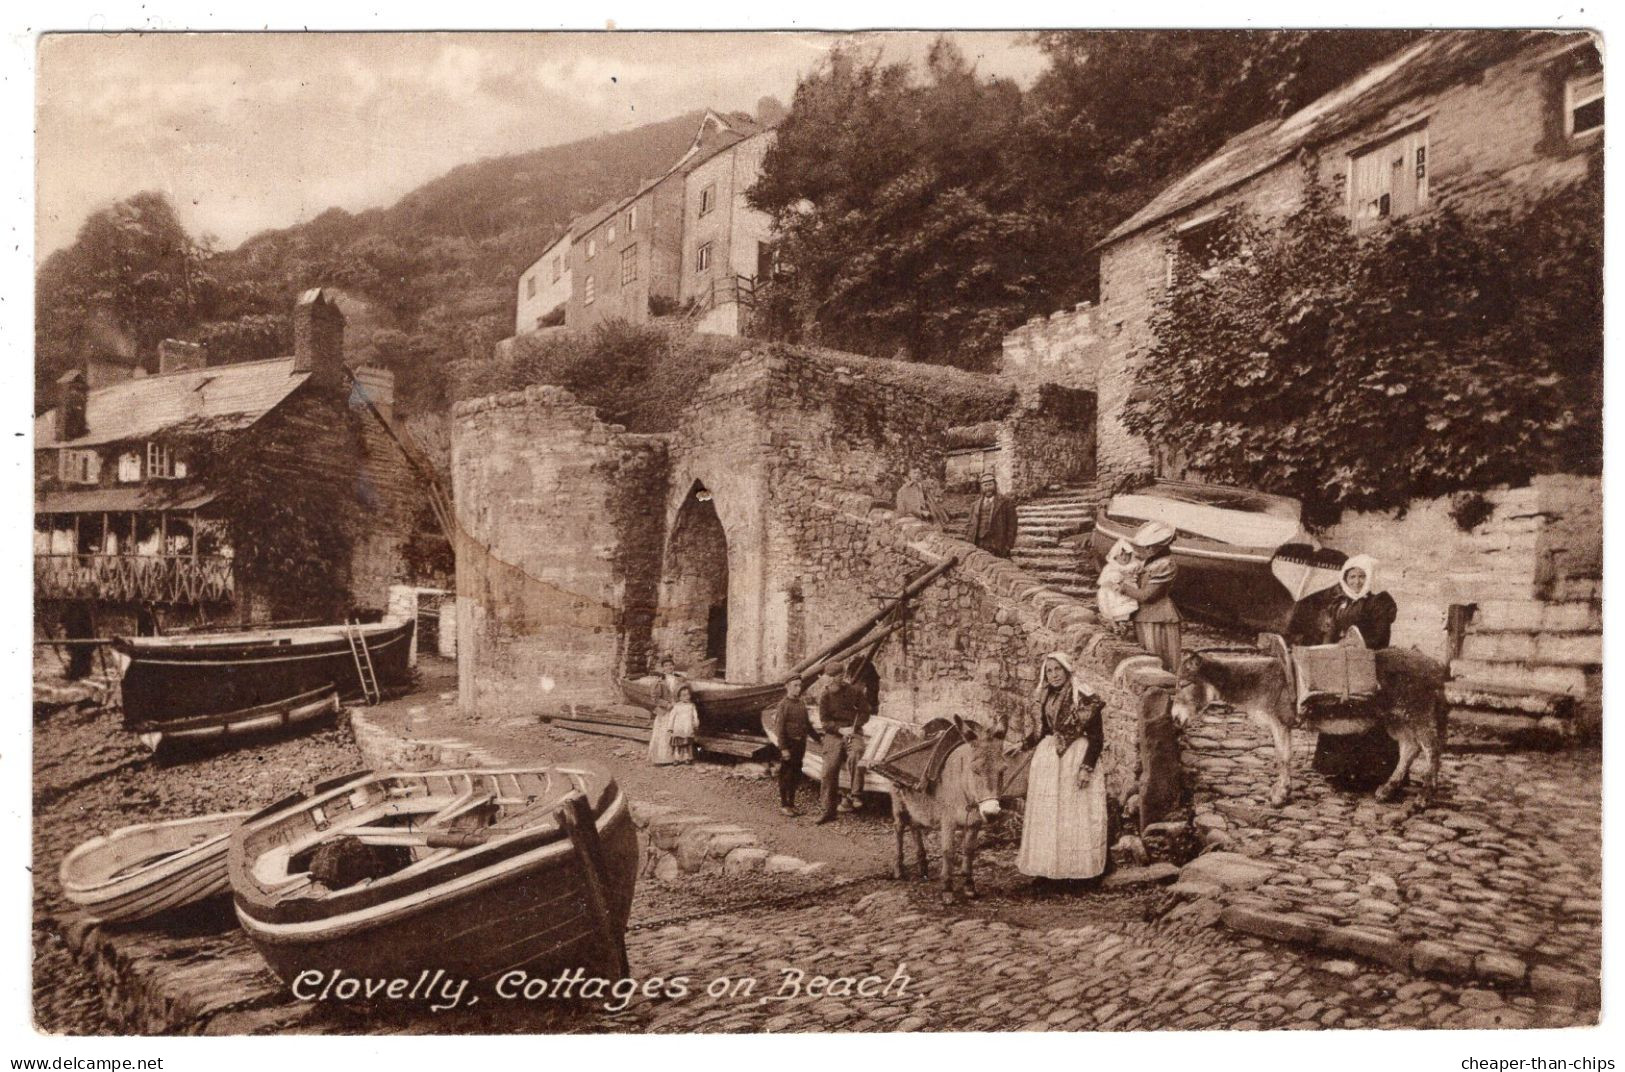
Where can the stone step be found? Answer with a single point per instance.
(1538, 649)
(1036, 542)
(1570, 680)
(1530, 703)
(1516, 730)
(1527, 616)
(1056, 508)
(1048, 525)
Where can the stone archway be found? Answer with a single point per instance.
(693, 619)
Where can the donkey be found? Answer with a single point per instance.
(965, 794)
(1410, 706)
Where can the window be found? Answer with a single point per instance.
(702, 258)
(129, 467)
(592, 248)
(530, 286)
(631, 219)
(1389, 180)
(609, 236)
(708, 199)
(1582, 97)
(558, 268)
(588, 291)
(161, 463)
(629, 264)
(1201, 245)
(79, 466)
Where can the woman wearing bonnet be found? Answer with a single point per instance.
(1064, 833)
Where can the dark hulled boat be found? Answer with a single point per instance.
(185, 681)
(724, 707)
(495, 871)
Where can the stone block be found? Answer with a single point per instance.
(1441, 959)
(1555, 987)
(1140, 876)
(780, 864)
(744, 860)
(1382, 946)
(1275, 926)
(1500, 968)
(1228, 869)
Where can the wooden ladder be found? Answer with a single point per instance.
(364, 671)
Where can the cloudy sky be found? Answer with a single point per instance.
(250, 131)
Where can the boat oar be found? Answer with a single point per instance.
(434, 839)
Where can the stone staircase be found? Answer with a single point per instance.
(1041, 524)
(1530, 665)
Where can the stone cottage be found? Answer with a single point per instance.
(1470, 119)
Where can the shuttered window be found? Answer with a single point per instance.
(129, 467)
(1583, 100)
(1389, 180)
(79, 466)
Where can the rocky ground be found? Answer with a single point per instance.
(1022, 957)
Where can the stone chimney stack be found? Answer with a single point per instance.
(318, 337)
(72, 397)
(177, 356)
(378, 387)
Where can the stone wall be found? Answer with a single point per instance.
(1065, 347)
(555, 552)
(1541, 543)
(977, 635)
(1047, 439)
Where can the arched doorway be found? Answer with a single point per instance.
(694, 587)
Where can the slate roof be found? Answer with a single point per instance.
(227, 396)
(1436, 60)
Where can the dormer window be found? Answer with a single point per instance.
(79, 466)
(129, 467)
(161, 463)
(1582, 105)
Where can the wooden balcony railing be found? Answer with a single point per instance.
(134, 578)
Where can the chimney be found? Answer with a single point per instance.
(318, 337)
(72, 394)
(177, 356)
(376, 385)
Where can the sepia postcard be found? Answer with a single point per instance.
(635, 533)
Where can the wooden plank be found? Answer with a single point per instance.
(577, 820)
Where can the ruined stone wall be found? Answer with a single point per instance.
(556, 553)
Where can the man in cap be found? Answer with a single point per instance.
(992, 520)
(842, 711)
(1150, 583)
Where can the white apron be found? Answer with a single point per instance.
(1064, 832)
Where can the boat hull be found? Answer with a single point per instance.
(723, 708)
(192, 869)
(170, 682)
(521, 906)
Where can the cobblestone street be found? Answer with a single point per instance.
(1504, 870)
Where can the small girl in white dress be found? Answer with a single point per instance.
(1114, 606)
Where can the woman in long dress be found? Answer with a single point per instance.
(1064, 833)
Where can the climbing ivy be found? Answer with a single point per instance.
(1438, 354)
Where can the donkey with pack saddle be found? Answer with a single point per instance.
(1268, 684)
(952, 781)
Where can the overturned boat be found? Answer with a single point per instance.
(143, 870)
(474, 872)
(1244, 556)
(187, 684)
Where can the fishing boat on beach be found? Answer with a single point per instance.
(216, 684)
(143, 870)
(474, 872)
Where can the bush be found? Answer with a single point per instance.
(1441, 354)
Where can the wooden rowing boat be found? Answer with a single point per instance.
(724, 707)
(491, 871)
(142, 870)
(293, 711)
(181, 679)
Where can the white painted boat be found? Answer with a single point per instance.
(142, 870)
